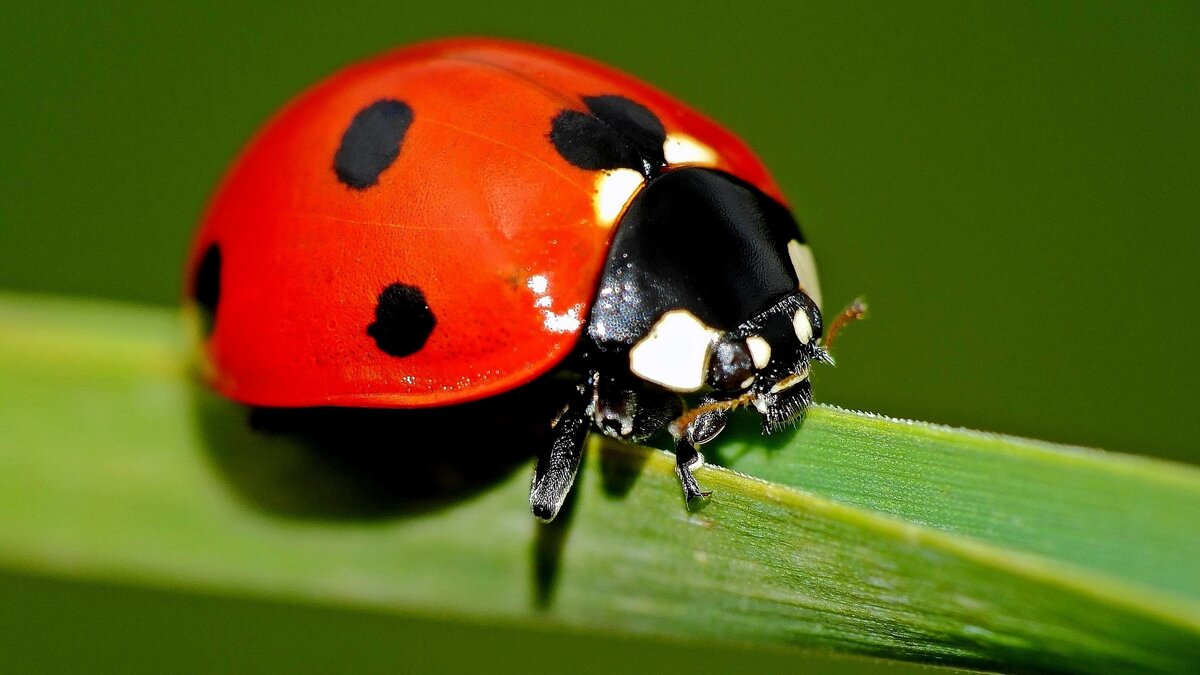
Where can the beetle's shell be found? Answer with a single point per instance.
(478, 211)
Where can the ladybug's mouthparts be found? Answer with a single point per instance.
(785, 407)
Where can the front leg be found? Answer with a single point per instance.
(556, 470)
(634, 411)
(696, 427)
(687, 457)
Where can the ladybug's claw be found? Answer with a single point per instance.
(687, 458)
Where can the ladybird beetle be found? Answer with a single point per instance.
(453, 220)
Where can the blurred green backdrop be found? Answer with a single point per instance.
(1014, 187)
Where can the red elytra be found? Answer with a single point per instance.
(477, 203)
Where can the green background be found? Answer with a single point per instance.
(1014, 187)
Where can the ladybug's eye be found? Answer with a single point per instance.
(731, 366)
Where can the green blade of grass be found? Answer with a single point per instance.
(1129, 517)
(873, 536)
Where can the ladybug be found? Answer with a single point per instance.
(453, 220)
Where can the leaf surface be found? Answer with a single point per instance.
(855, 533)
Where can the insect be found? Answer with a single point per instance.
(453, 220)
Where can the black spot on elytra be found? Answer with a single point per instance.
(206, 287)
(403, 320)
(615, 133)
(372, 142)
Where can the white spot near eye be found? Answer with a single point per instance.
(614, 189)
(802, 326)
(806, 270)
(683, 149)
(675, 353)
(760, 351)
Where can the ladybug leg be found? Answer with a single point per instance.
(698, 426)
(687, 457)
(555, 472)
(632, 411)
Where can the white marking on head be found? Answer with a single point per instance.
(760, 351)
(802, 326)
(675, 353)
(683, 149)
(746, 382)
(614, 189)
(790, 381)
(806, 270)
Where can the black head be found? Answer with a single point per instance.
(707, 285)
(767, 358)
